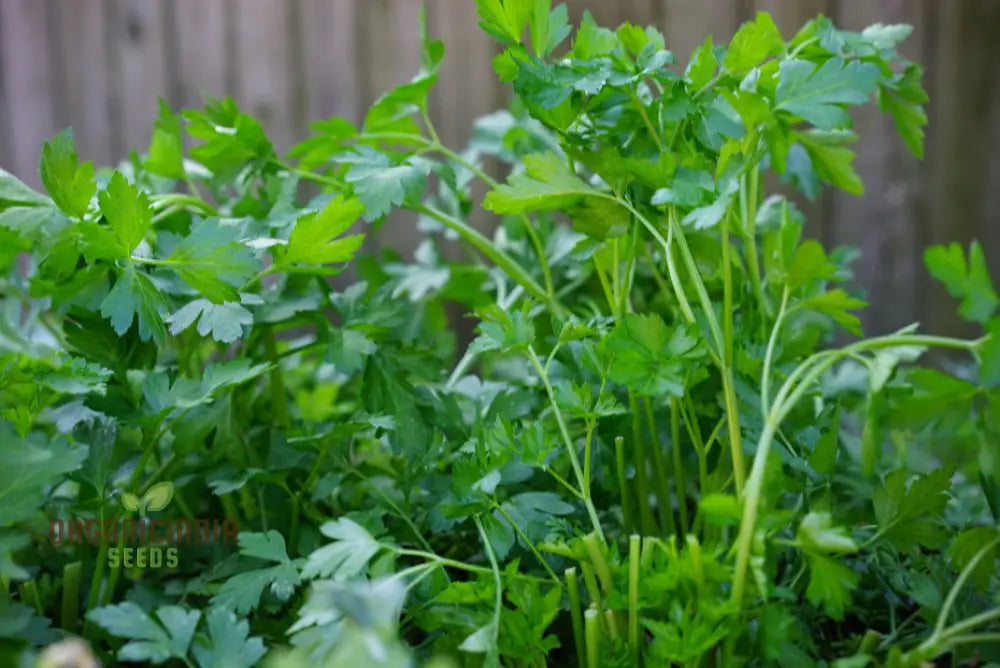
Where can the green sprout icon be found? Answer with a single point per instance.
(156, 498)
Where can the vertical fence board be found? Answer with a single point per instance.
(138, 71)
(331, 69)
(388, 55)
(687, 23)
(265, 77)
(200, 51)
(83, 79)
(962, 203)
(28, 85)
(881, 223)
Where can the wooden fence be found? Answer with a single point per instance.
(99, 65)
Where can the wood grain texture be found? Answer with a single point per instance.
(28, 85)
(265, 84)
(388, 55)
(79, 55)
(331, 48)
(199, 51)
(99, 65)
(138, 71)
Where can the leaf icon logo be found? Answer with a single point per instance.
(156, 498)
(130, 501)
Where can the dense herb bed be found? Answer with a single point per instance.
(650, 454)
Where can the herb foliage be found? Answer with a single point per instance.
(653, 452)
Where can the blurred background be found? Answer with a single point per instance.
(99, 65)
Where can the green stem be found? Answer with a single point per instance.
(794, 387)
(723, 344)
(679, 480)
(662, 490)
(457, 565)
(645, 121)
(765, 383)
(115, 571)
(633, 598)
(529, 229)
(601, 568)
(279, 398)
(495, 568)
(593, 634)
(95, 584)
(527, 541)
(497, 256)
(646, 521)
(567, 441)
(956, 588)
(71, 596)
(749, 211)
(576, 613)
(29, 594)
(623, 490)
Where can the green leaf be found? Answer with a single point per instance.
(504, 330)
(133, 294)
(233, 372)
(909, 517)
(703, 65)
(148, 640)
(546, 184)
(348, 349)
(965, 548)
(830, 585)
(29, 469)
(11, 542)
(837, 304)
(818, 534)
(223, 322)
(971, 283)
(989, 353)
(212, 261)
(813, 93)
(720, 509)
(127, 210)
(707, 217)
(809, 263)
(824, 458)
(650, 358)
(380, 183)
(242, 592)
(13, 192)
(504, 19)
(70, 184)
(38, 224)
(830, 160)
(130, 502)
(227, 642)
(166, 148)
(886, 36)
(752, 44)
(347, 556)
(548, 27)
(158, 496)
(232, 139)
(903, 97)
(317, 238)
